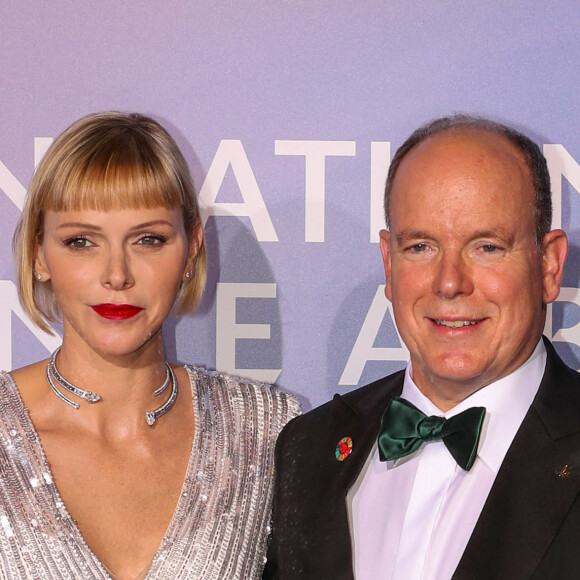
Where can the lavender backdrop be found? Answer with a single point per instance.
(288, 112)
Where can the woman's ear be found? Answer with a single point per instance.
(195, 241)
(40, 269)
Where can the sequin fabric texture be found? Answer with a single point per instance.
(220, 527)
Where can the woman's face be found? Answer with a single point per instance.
(115, 274)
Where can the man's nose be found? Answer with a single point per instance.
(117, 273)
(453, 276)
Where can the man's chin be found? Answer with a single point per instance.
(455, 378)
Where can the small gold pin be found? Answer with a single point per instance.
(565, 472)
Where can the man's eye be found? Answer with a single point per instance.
(488, 248)
(419, 247)
(78, 243)
(150, 240)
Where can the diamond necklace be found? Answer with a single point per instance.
(52, 375)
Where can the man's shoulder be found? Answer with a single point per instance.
(367, 400)
(558, 398)
(384, 386)
(556, 366)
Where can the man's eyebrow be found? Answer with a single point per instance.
(406, 236)
(496, 233)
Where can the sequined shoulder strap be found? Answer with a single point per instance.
(243, 396)
(12, 410)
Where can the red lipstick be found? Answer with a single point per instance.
(116, 311)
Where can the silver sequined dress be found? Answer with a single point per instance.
(220, 526)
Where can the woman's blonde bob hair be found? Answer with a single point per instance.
(104, 161)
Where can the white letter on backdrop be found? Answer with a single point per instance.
(228, 330)
(15, 191)
(572, 333)
(9, 304)
(560, 164)
(363, 349)
(315, 153)
(41, 145)
(12, 187)
(231, 152)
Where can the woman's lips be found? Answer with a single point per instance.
(116, 311)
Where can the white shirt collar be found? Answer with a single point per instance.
(506, 402)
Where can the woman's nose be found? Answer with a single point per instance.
(117, 271)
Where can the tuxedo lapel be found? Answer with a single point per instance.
(537, 484)
(357, 418)
(347, 422)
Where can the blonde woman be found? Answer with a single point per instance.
(115, 462)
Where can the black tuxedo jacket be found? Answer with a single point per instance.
(529, 526)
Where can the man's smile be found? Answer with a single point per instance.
(454, 323)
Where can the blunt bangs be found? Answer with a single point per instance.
(120, 176)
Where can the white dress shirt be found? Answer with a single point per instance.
(411, 519)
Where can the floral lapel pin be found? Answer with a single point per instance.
(343, 448)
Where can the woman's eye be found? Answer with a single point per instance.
(150, 240)
(78, 243)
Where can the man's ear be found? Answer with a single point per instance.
(40, 268)
(386, 252)
(554, 250)
(195, 241)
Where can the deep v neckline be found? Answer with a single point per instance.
(64, 517)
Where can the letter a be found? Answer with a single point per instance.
(231, 152)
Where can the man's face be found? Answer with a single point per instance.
(463, 270)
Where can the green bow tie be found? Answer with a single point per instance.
(404, 428)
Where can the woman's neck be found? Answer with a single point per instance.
(125, 383)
